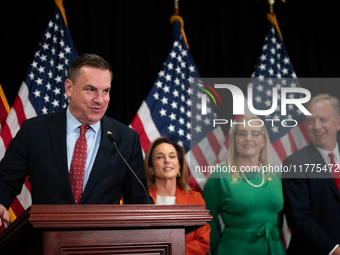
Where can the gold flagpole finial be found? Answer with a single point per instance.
(271, 6)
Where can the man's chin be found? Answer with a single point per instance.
(94, 119)
(323, 144)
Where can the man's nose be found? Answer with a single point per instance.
(317, 124)
(99, 99)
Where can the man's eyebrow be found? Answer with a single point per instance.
(89, 86)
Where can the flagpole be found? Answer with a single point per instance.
(176, 17)
(176, 11)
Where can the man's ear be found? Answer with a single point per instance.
(338, 123)
(68, 87)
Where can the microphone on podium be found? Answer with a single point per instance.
(112, 139)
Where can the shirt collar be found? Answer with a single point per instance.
(324, 153)
(72, 123)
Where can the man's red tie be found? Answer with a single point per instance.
(78, 164)
(335, 170)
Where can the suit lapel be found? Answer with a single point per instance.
(58, 139)
(103, 155)
(317, 158)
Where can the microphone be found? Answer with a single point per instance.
(112, 140)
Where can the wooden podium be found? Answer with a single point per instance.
(102, 229)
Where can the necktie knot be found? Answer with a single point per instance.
(331, 155)
(83, 129)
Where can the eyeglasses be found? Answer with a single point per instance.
(244, 133)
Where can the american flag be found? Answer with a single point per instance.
(168, 111)
(4, 110)
(274, 69)
(41, 92)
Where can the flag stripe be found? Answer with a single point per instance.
(286, 145)
(227, 141)
(298, 136)
(286, 232)
(25, 197)
(26, 104)
(303, 129)
(17, 209)
(199, 156)
(27, 184)
(215, 145)
(145, 117)
(197, 178)
(292, 142)
(280, 150)
(6, 136)
(273, 157)
(137, 125)
(220, 138)
(19, 110)
(2, 148)
(207, 151)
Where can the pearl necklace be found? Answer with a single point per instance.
(255, 186)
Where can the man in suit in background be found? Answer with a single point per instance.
(312, 197)
(49, 148)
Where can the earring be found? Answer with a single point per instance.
(178, 175)
(152, 173)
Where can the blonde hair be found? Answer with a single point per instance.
(183, 179)
(233, 154)
(331, 99)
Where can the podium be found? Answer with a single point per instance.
(102, 229)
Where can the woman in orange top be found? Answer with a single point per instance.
(166, 172)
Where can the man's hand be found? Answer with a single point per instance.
(337, 251)
(4, 215)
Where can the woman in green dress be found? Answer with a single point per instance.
(244, 198)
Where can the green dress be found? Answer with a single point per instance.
(252, 215)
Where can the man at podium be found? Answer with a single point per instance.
(68, 156)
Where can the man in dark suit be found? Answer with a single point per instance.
(312, 197)
(46, 148)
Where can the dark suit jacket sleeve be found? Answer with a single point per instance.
(14, 167)
(133, 192)
(299, 213)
